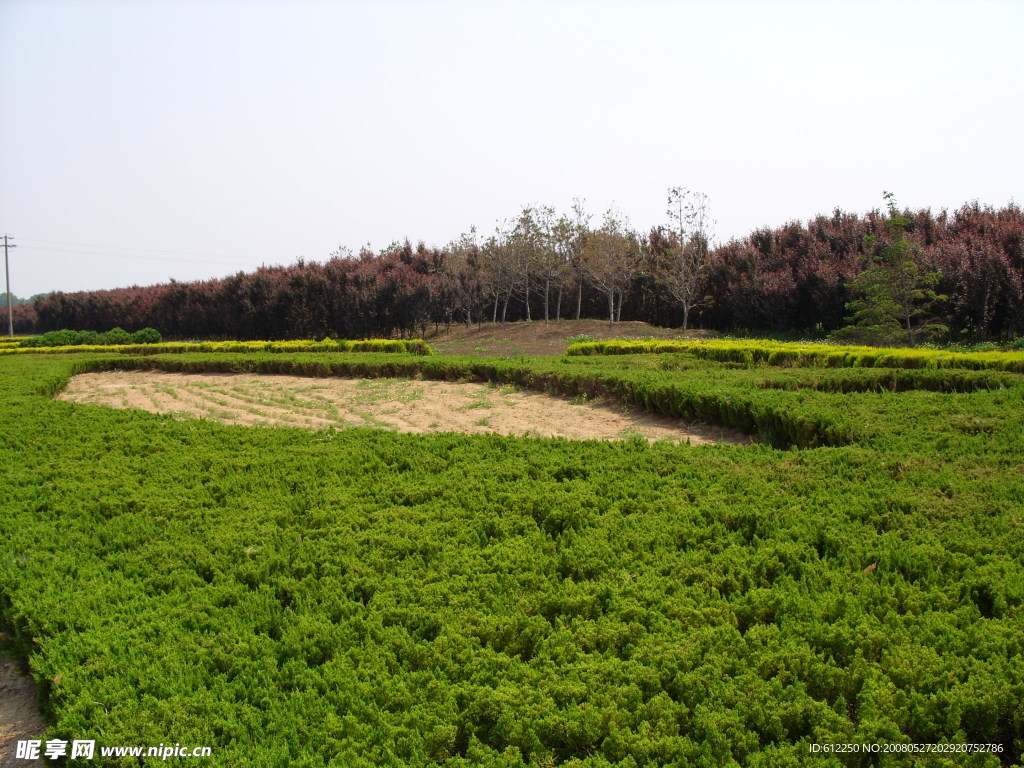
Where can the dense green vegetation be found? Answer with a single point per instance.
(364, 598)
(54, 342)
(778, 353)
(114, 337)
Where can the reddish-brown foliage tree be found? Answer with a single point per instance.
(790, 279)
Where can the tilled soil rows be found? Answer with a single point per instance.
(403, 405)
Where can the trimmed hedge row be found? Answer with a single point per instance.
(808, 355)
(408, 346)
(895, 380)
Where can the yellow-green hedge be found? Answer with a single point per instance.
(810, 355)
(411, 346)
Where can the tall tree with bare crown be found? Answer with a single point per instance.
(684, 271)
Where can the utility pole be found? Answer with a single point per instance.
(7, 270)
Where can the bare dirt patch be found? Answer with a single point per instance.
(19, 714)
(403, 405)
(539, 338)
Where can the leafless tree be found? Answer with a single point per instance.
(527, 243)
(497, 272)
(570, 234)
(611, 258)
(684, 271)
(462, 276)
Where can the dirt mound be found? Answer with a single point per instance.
(403, 405)
(540, 338)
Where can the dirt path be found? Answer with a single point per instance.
(19, 716)
(398, 404)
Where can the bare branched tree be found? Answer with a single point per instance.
(684, 270)
(549, 266)
(461, 277)
(498, 274)
(570, 234)
(611, 257)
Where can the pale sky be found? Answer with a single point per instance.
(154, 139)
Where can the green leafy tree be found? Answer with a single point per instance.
(895, 292)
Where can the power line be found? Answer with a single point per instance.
(125, 248)
(133, 256)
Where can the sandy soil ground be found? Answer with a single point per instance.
(397, 404)
(19, 715)
(540, 338)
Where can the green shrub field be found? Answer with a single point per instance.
(825, 355)
(113, 338)
(143, 347)
(366, 598)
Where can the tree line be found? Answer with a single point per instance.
(15, 301)
(800, 278)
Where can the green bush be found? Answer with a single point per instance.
(116, 337)
(147, 336)
(54, 339)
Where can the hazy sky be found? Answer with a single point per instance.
(143, 141)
